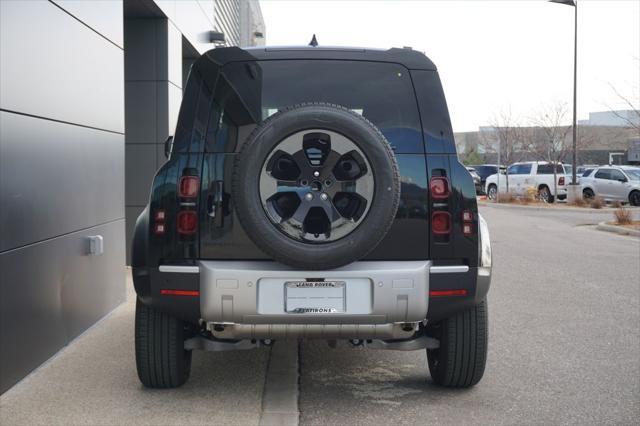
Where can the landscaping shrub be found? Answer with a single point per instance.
(530, 196)
(597, 202)
(622, 216)
(506, 197)
(578, 202)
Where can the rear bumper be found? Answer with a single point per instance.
(247, 299)
(254, 292)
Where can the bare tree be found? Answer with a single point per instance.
(632, 122)
(550, 139)
(632, 103)
(505, 137)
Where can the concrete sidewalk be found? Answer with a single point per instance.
(94, 381)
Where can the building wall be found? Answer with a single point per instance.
(61, 175)
(252, 28)
(227, 20)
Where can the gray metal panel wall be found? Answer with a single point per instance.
(61, 175)
(56, 178)
(52, 291)
(56, 67)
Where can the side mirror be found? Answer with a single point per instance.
(168, 147)
(622, 180)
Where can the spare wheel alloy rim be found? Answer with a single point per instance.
(316, 186)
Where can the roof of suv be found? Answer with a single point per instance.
(409, 58)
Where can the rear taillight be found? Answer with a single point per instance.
(561, 180)
(189, 186)
(441, 223)
(159, 227)
(187, 222)
(439, 187)
(467, 222)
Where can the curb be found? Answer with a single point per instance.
(550, 208)
(604, 226)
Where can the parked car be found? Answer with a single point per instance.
(486, 170)
(585, 167)
(533, 174)
(276, 215)
(477, 181)
(613, 183)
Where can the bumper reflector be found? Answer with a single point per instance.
(167, 292)
(437, 293)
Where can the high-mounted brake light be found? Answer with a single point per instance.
(187, 222)
(439, 187)
(441, 223)
(189, 186)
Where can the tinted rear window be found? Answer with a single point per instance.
(381, 92)
(547, 169)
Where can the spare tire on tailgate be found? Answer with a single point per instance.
(316, 186)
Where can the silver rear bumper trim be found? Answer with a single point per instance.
(180, 269)
(453, 269)
(255, 292)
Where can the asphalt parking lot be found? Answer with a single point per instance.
(564, 349)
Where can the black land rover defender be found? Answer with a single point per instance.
(312, 193)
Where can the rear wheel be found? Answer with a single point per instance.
(544, 194)
(634, 198)
(492, 192)
(588, 194)
(460, 360)
(161, 359)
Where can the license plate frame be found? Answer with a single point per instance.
(315, 297)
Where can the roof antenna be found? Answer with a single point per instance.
(313, 41)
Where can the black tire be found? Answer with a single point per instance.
(544, 194)
(382, 207)
(161, 359)
(588, 194)
(492, 192)
(634, 198)
(460, 360)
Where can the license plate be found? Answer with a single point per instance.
(314, 297)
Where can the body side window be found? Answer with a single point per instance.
(617, 175)
(603, 174)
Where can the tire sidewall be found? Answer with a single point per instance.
(383, 205)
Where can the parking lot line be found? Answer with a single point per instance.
(280, 395)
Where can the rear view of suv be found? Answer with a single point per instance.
(312, 193)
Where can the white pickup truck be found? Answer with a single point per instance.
(532, 174)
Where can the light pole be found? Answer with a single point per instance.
(571, 195)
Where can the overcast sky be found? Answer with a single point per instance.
(491, 55)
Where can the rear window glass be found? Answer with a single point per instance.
(381, 92)
(547, 169)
